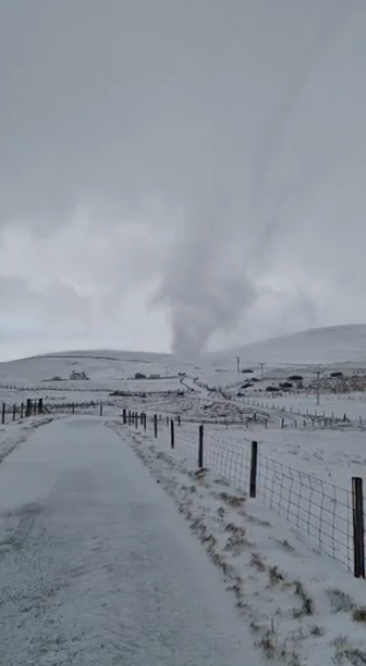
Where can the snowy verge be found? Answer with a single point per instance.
(14, 434)
(302, 608)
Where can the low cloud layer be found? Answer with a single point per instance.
(180, 175)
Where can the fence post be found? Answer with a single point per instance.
(358, 527)
(179, 420)
(124, 417)
(155, 426)
(145, 421)
(28, 411)
(253, 470)
(200, 446)
(14, 412)
(101, 409)
(3, 413)
(136, 420)
(172, 434)
(22, 410)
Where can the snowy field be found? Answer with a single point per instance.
(287, 555)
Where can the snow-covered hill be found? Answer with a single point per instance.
(331, 345)
(98, 365)
(109, 368)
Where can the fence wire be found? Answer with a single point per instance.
(320, 512)
(317, 509)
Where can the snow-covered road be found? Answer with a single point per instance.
(96, 566)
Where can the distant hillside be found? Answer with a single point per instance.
(98, 365)
(336, 344)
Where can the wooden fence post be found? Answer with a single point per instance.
(14, 412)
(200, 446)
(172, 434)
(155, 426)
(124, 417)
(3, 413)
(22, 410)
(358, 527)
(253, 470)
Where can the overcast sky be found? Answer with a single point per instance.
(180, 175)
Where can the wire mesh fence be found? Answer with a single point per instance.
(320, 512)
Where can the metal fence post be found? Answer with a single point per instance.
(253, 470)
(358, 527)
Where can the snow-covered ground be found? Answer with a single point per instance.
(97, 568)
(302, 608)
(299, 603)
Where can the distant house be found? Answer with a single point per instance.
(78, 375)
(140, 375)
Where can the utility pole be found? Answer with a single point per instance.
(238, 365)
(318, 388)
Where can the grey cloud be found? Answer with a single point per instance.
(216, 146)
